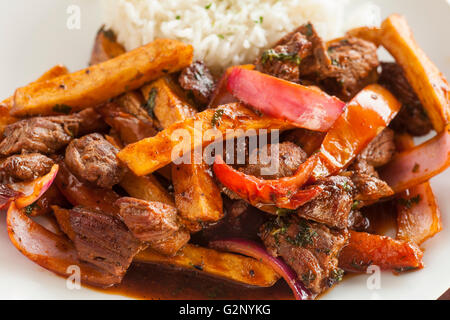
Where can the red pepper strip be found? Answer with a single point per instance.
(221, 95)
(365, 249)
(419, 164)
(79, 193)
(49, 250)
(284, 192)
(418, 213)
(366, 115)
(305, 107)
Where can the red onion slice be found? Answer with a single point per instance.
(257, 251)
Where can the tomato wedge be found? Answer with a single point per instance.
(366, 115)
(49, 250)
(364, 118)
(305, 107)
(284, 192)
(365, 249)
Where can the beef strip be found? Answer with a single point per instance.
(102, 240)
(369, 187)
(92, 158)
(354, 66)
(299, 52)
(333, 205)
(310, 248)
(380, 150)
(25, 167)
(412, 117)
(198, 79)
(357, 221)
(155, 223)
(289, 158)
(47, 134)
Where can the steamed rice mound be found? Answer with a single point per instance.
(230, 32)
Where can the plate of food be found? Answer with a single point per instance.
(224, 149)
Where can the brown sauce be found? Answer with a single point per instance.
(152, 282)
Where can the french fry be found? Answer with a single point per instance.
(168, 104)
(427, 81)
(145, 188)
(418, 214)
(197, 196)
(365, 249)
(153, 153)
(223, 265)
(371, 34)
(105, 47)
(7, 104)
(96, 84)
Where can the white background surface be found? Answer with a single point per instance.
(34, 37)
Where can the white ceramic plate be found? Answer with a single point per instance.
(34, 37)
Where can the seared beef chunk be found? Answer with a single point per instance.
(155, 223)
(93, 159)
(412, 117)
(289, 158)
(332, 207)
(26, 167)
(354, 63)
(285, 60)
(47, 134)
(310, 248)
(380, 150)
(198, 79)
(369, 188)
(357, 221)
(102, 240)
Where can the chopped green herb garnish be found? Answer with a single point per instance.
(347, 187)
(308, 277)
(150, 104)
(335, 276)
(304, 237)
(309, 30)
(334, 62)
(208, 6)
(270, 55)
(408, 203)
(29, 208)
(217, 117)
(62, 108)
(178, 17)
(416, 168)
(221, 36)
(260, 21)
(355, 204)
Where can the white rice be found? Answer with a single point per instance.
(230, 32)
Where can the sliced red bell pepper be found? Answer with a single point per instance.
(49, 250)
(419, 164)
(284, 192)
(305, 107)
(365, 116)
(365, 249)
